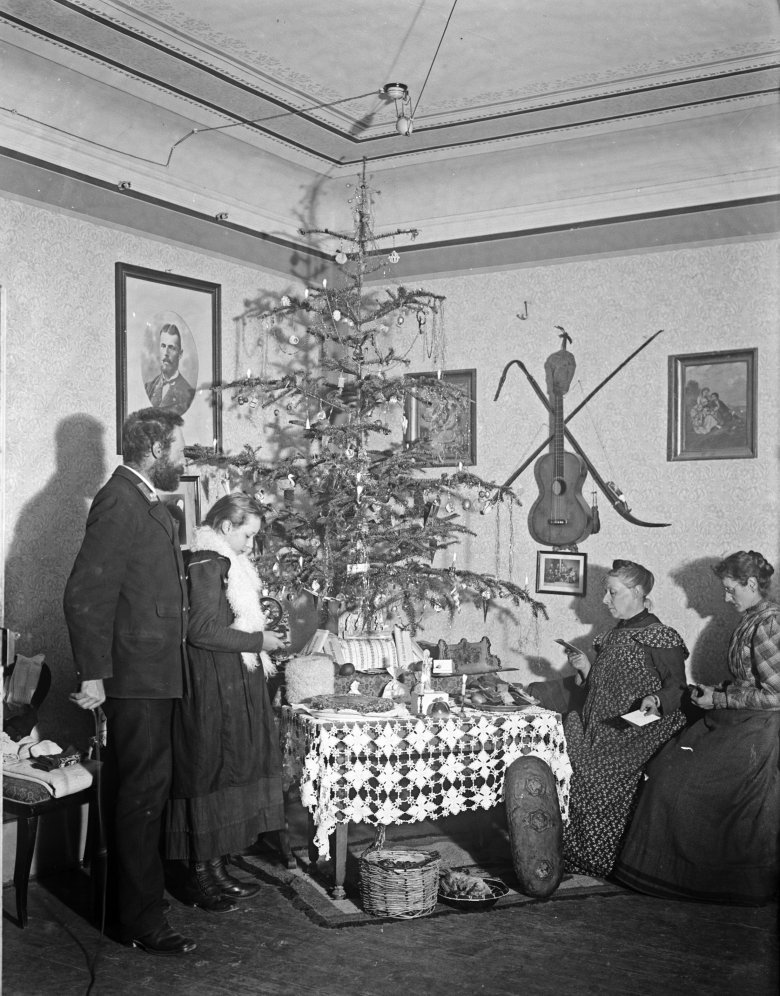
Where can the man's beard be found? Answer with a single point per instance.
(166, 475)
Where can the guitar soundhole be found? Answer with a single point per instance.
(558, 486)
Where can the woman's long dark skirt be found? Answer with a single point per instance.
(707, 821)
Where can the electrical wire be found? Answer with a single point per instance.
(99, 855)
(195, 131)
(435, 54)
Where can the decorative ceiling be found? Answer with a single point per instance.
(527, 115)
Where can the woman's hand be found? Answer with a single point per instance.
(702, 696)
(272, 641)
(581, 665)
(649, 705)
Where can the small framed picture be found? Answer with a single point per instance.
(444, 421)
(712, 405)
(184, 506)
(168, 350)
(559, 572)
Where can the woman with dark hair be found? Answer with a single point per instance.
(708, 819)
(639, 665)
(227, 785)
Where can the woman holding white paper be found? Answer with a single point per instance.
(639, 666)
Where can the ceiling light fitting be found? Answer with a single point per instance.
(399, 93)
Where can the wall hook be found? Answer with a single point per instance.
(524, 315)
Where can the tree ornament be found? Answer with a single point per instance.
(336, 315)
(294, 340)
(285, 301)
(467, 504)
(400, 320)
(393, 257)
(341, 257)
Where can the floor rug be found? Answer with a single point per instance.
(472, 850)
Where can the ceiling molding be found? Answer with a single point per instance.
(53, 186)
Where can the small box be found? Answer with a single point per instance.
(444, 666)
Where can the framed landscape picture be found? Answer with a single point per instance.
(559, 572)
(712, 405)
(445, 423)
(168, 350)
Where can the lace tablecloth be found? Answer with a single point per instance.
(410, 769)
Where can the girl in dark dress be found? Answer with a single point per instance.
(227, 784)
(708, 818)
(639, 664)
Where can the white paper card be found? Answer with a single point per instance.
(639, 718)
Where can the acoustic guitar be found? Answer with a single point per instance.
(560, 516)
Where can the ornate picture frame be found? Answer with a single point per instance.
(712, 405)
(561, 572)
(184, 506)
(169, 350)
(447, 426)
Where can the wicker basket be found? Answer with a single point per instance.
(398, 882)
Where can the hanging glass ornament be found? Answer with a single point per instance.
(285, 301)
(467, 503)
(341, 257)
(277, 413)
(253, 403)
(400, 320)
(294, 340)
(393, 257)
(336, 315)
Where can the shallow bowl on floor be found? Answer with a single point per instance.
(467, 905)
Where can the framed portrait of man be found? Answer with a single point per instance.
(168, 342)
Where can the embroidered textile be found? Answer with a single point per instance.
(416, 768)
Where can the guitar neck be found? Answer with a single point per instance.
(558, 436)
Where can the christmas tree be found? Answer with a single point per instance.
(352, 515)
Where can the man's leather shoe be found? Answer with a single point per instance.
(163, 941)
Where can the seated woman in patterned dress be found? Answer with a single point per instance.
(708, 817)
(640, 663)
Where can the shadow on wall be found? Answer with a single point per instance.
(704, 594)
(590, 611)
(46, 539)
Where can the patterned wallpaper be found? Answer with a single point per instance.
(59, 275)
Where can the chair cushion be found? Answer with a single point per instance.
(21, 790)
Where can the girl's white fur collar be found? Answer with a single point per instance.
(242, 591)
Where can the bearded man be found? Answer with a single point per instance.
(126, 609)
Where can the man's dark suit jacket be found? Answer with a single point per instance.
(179, 396)
(126, 599)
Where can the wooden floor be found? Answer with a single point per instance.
(622, 944)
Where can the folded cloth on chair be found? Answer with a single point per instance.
(59, 781)
(20, 686)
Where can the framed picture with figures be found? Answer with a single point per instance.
(441, 417)
(712, 405)
(168, 350)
